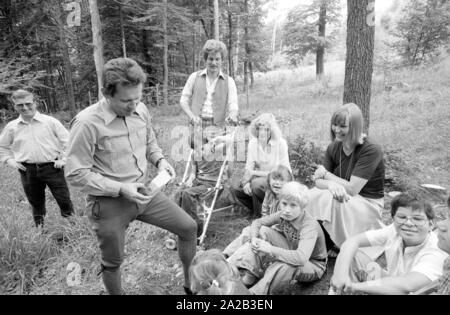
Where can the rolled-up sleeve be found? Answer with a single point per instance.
(6, 140)
(80, 160)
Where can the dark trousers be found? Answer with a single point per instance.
(34, 181)
(253, 202)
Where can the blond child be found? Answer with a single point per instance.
(286, 246)
(211, 274)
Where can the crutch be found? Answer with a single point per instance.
(208, 211)
(186, 170)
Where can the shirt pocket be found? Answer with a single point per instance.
(114, 152)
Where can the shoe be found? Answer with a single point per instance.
(188, 291)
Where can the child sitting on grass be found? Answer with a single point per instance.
(286, 246)
(205, 169)
(279, 176)
(413, 258)
(210, 274)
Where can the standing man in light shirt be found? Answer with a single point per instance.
(34, 145)
(210, 96)
(110, 145)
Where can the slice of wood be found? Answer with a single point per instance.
(394, 194)
(432, 186)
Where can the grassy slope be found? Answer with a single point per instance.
(413, 119)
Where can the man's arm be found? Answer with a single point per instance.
(341, 276)
(406, 284)
(186, 96)
(80, 160)
(6, 141)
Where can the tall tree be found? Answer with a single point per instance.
(68, 75)
(424, 27)
(305, 31)
(122, 29)
(97, 41)
(320, 54)
(216, 20)
(166, 55)
(230, 39)
(359, 59)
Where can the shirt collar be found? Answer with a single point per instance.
(205, 72)
(37, 117)
(110, 115)
(412, 250)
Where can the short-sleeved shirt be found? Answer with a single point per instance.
(426, 258)
(366, 161)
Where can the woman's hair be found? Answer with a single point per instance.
(405, 200)
(214, 46)
(210, 273)
(294, 191)
(123, 71)
(355, 118)
(269, 120)
(279, 172)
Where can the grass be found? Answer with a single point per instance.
(410, 122)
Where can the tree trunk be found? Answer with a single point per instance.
(216, 20)
(165, 58)
(122, 31)
(211, 24)
(238, 43)
(250, 70)
(230, 40)
(321, 48)
(246, 39)
(359, 59)
(66, 58)
(97, 43)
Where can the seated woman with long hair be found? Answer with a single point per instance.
(266, 150)
(348, 198)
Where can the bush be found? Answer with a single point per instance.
(304, 157)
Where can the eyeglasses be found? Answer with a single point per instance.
(24, 104)
(417, 221)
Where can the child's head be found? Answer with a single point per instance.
(444, 231)
(210, 273)
(413, 218)
(293, 200)
(279, 176)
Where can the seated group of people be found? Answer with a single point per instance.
(295, 229)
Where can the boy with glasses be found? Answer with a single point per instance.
(411, 248)
(34, 145)
(444, 244)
